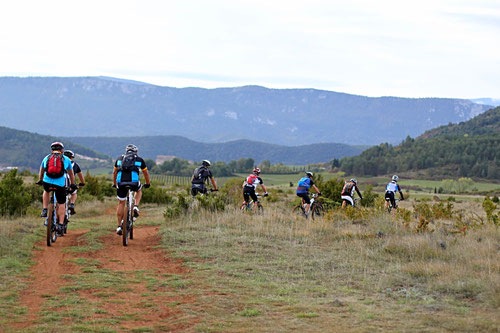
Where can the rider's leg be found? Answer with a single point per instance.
(307, 208)
(120, 211)
(46, 199)
(137, 197)
(73, 198)
(61, 211)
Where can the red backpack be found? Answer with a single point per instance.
(55, 165)
(251, 179)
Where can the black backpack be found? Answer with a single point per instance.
(128, 162)
(198, 173)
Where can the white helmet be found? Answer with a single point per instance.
(395, 178)
(205, 163)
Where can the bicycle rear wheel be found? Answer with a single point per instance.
(125, 227)
(260, 209)
(317, 212)
(51, 225)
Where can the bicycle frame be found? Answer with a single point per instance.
(51, 220)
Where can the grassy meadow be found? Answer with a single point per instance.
(214, 270)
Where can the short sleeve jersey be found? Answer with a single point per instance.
(392, 187)
(61, 181)
(256, 181)
(204, 174)
(130, 176)
(76, 169)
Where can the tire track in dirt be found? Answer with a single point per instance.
(141, 254)
(51, 263)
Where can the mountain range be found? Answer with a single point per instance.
(151, 146)
(101, 106)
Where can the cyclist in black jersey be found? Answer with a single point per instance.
(77, 171)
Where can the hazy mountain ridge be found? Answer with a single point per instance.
(151, 146)
(97, 106)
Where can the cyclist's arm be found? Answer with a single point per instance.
(71, 176)
(316, 189)
(40, 175)
(359, 193)
(80, 176)
(145, 172)
(115, 173)
(264, 188)
(401, 193)
(212, 179)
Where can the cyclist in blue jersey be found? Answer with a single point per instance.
(52, 176)
(390, 192)
(126, 172)
(303, 190)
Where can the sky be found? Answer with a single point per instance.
(423, 48)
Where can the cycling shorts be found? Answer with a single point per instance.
(198, 188)
(348, 199)
(249, 192)
(60, 192)
(389, 196)
(121, 191)
(305, 197)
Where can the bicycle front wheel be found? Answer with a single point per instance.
(50, 222)
(298, 210)
(126, 223)
(260, 209)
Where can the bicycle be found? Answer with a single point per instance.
(128, 228)
(390, 207)
(51, 219)
(250, 207)
(315, 209)
(355, 201)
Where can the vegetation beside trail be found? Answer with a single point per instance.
(432, 266)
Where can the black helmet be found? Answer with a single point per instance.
(309, 174)
(56, 146)
(131, 148)
(205, 163)
(69, 153)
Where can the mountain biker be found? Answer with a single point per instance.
(126, 172)
(52, 176)
(390, 192)
(348, 192)
(200, 175)
(250, 185)
(303, 190)
(77, 171)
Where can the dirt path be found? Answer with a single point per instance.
(150, 300)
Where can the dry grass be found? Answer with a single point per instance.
(366, 269)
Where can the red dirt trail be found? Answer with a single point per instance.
(141, 254)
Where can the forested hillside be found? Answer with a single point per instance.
(485, 123)
(470, 149)
(25, 149)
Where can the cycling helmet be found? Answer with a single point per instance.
(69, 153)
(56, 145)
(395, 178)
(206, 163)
(256, 171)
(354, 180)
(309, 174)
(131, 148)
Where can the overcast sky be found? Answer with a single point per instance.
(376, 48)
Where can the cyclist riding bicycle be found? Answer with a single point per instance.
(390, 192)
(200, 175)
(126, 173)
(52, 176)
(250, 185)
(303, 190)
(348, 192)
(77, 171)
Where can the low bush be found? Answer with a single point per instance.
(14, 195)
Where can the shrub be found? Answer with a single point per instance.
(369, 197)
(489, 208)
(14, 197)
(156, 195)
